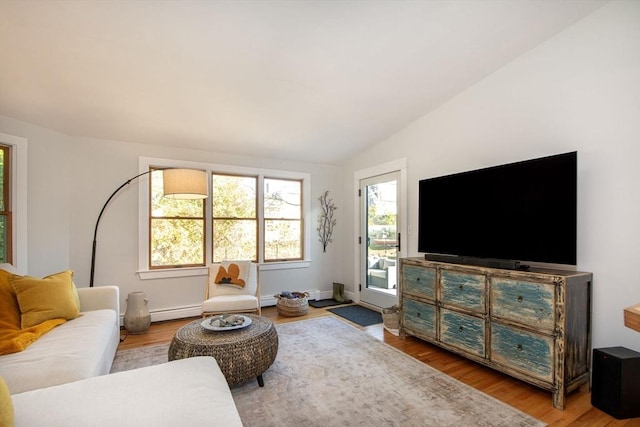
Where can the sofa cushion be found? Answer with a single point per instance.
(45, 299)
(186, 392)
(6, 405)
(13, 340)
(78, 349)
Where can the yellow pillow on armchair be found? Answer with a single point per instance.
(45, 299)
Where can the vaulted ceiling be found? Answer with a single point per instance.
(315, 81)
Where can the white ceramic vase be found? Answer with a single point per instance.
(137, 318)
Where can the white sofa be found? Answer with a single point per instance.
(80, 348)
(186, 392)
(60, 380)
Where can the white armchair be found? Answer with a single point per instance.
(382, 273)
(223, 298)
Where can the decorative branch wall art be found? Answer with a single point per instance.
(326, 220)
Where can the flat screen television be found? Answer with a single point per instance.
(522, 212)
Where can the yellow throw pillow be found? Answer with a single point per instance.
(76, 296)
(12, 337)
(6, 405)
(44, 299)
(9, 308)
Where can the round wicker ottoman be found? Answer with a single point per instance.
(242, 354)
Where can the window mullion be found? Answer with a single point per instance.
(261, 219)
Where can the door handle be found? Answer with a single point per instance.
(399, 242)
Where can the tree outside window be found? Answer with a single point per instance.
(252, 217)
(235, 221)
(176, 229)
(5, 209)
(282, 219)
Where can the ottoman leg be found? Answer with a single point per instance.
(260, 380)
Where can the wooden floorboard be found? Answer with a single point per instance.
(525, 397)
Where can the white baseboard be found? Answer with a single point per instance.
(176, 313)
(329, 295)
(195, 311)
(267, 301)
(171, 314)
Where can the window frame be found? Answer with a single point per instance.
(144, 236)
(18, 194)
(202, 218)
(6, 196)
(256, 218)
(301, 220)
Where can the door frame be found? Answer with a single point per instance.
(398, 165)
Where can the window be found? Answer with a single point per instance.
(282, 219)
(176, 229)
(13, 212)
(6, 235)
(251, 213)
(234, 206)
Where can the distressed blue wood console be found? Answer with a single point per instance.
(533, 325)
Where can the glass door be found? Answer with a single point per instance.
(380, 239)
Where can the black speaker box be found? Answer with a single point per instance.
(615, 385)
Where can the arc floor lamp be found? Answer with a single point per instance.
(177, 184)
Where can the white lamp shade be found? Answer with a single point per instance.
(185, 184)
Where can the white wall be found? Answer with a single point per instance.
(69, 180)
(578, 91)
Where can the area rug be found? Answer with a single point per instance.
(328, 373)
(358, 314)
(140, 357)
(321, 303)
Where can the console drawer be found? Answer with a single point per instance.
(525, 302)
(533, 324)
(463, 290)
(522, 350)
(419, 316)
(463, 331)
(419, 280)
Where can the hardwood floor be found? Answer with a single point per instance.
(527, 398)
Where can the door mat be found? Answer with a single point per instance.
(327, 303)
(358, 314)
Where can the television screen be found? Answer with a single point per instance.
(523, 211)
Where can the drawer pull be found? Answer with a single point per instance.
(520, 299)
(461, 287)
(417, 279)
(418, 314)
(519, 347)
(460, 329)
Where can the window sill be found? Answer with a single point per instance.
(203, 271)
(172, 273)
(285, 265)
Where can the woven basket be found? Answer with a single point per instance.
(293, 306)
(391, 317)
